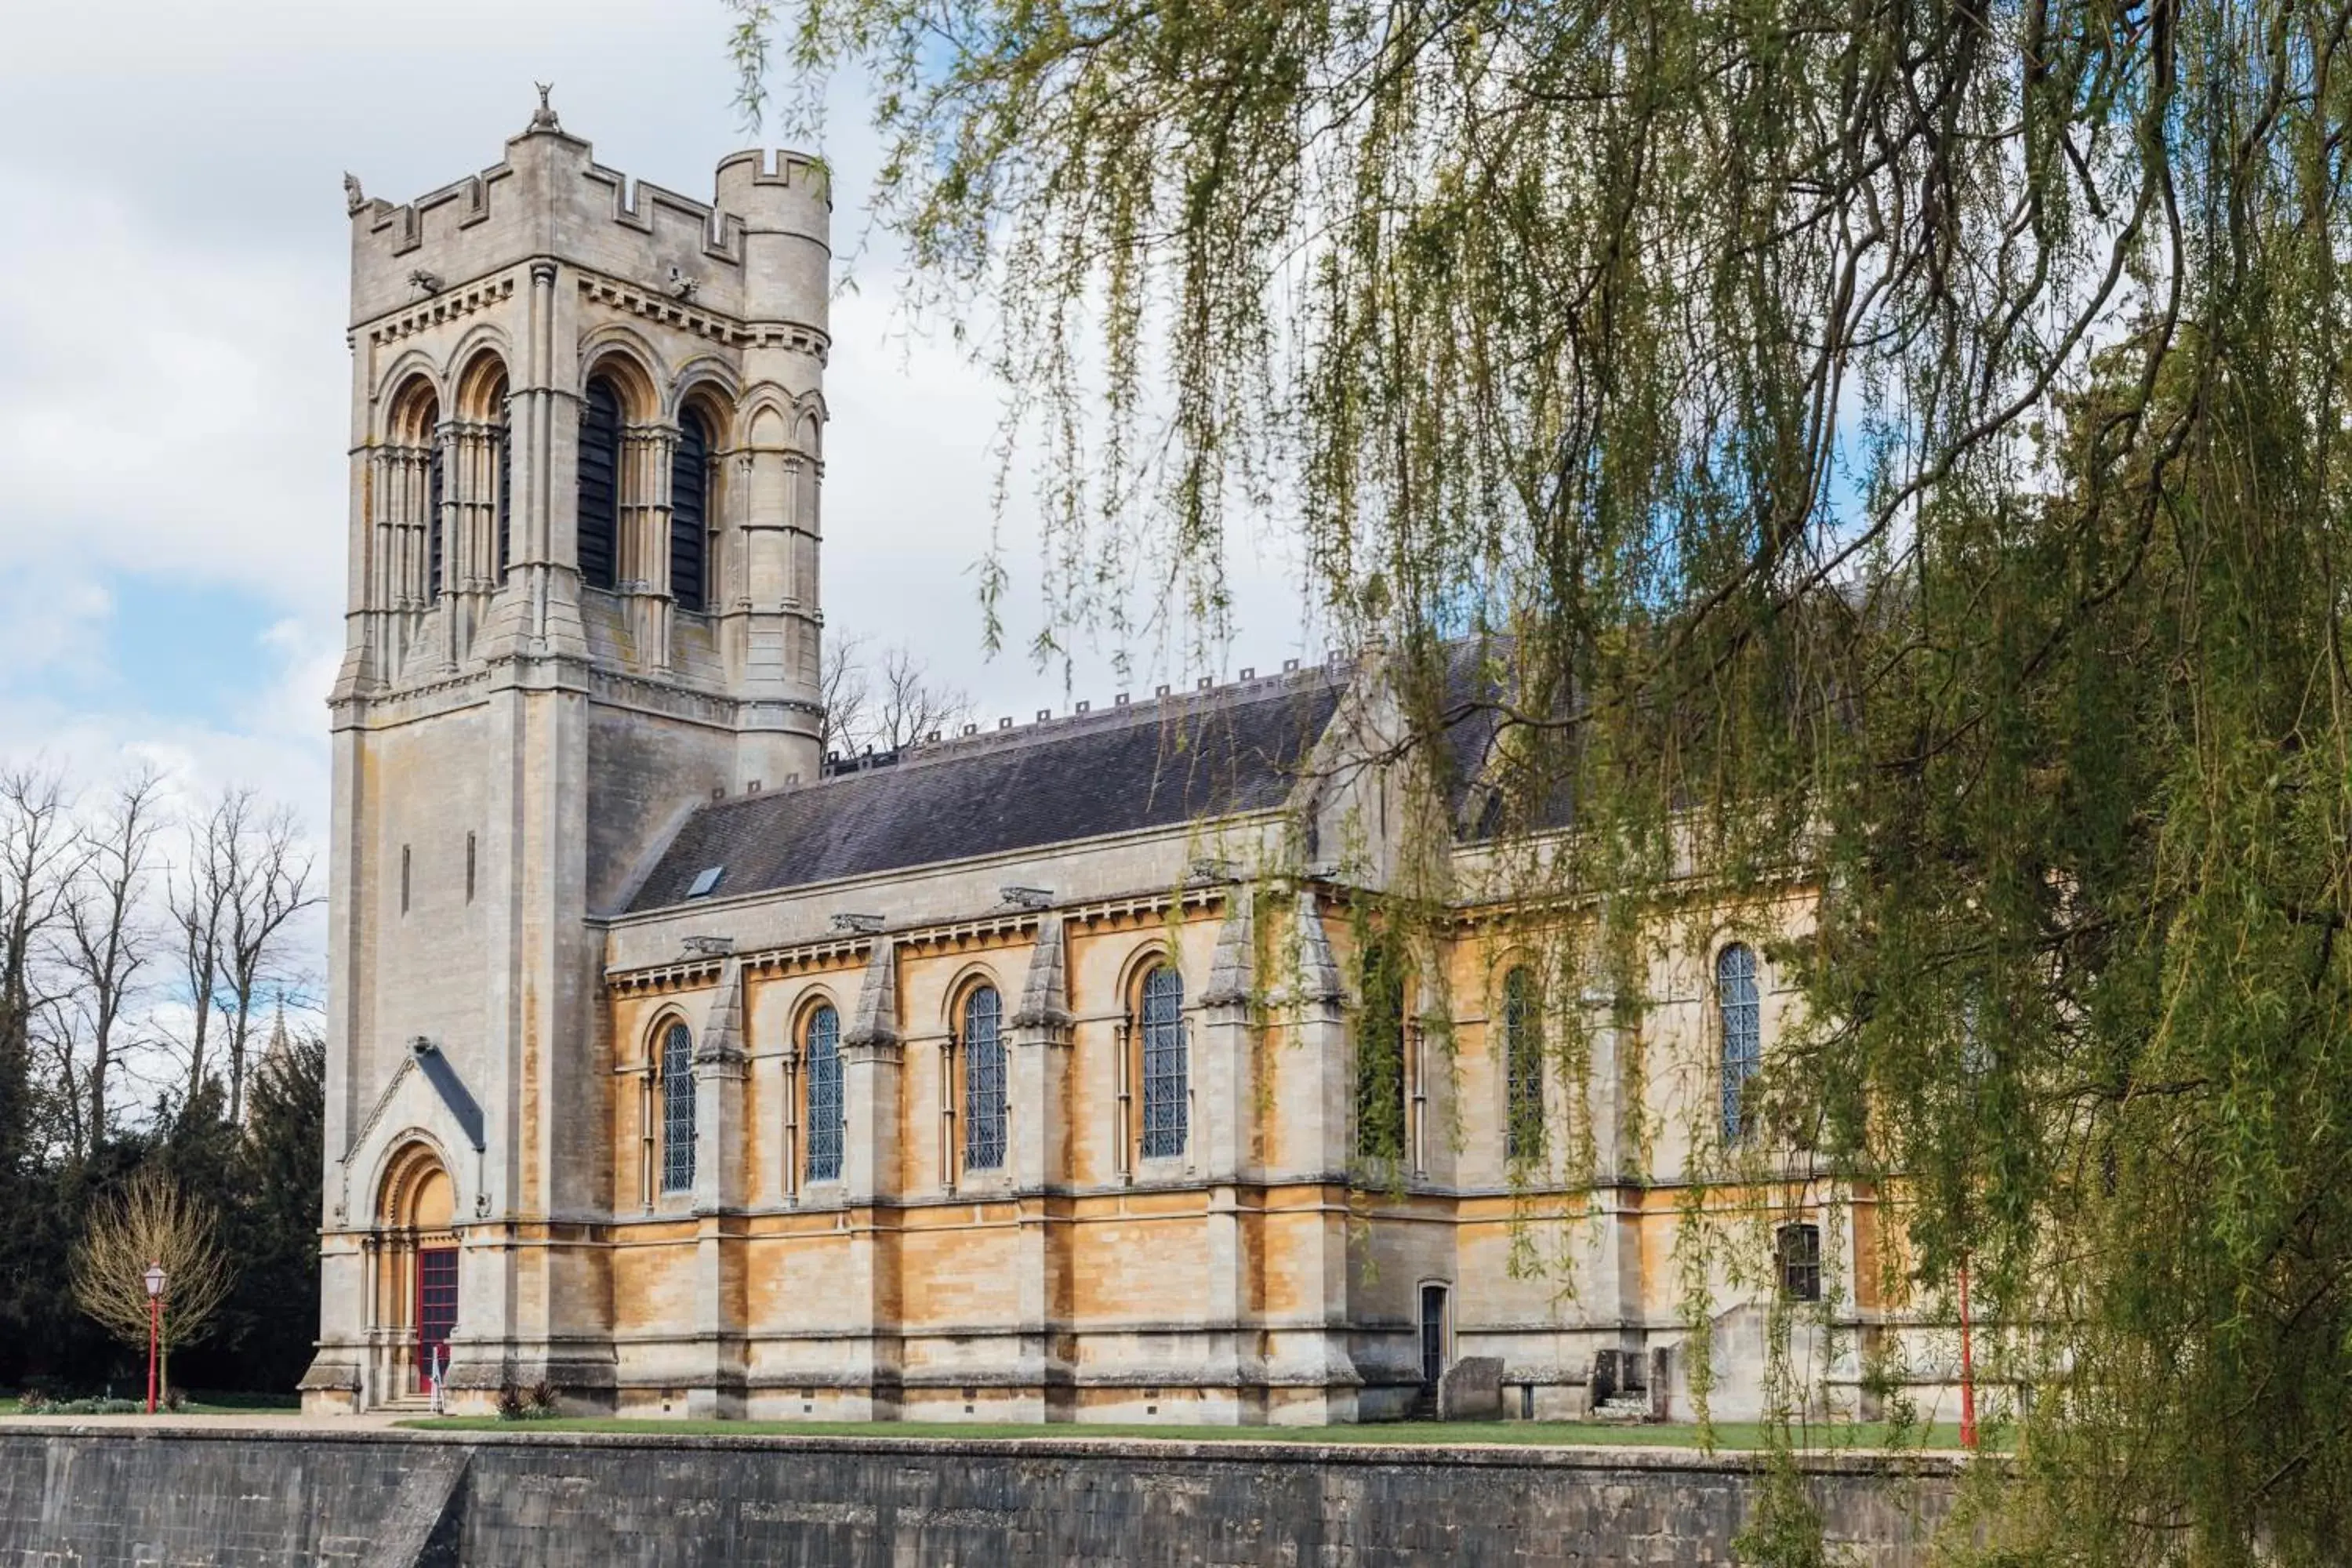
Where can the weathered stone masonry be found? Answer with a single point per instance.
(389, 1500)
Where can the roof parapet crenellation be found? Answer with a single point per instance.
(548, 196)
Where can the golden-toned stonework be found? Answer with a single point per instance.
(1024, 1075)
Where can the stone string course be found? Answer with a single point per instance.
(403, 1499)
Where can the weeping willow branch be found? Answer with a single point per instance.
(1897, 440)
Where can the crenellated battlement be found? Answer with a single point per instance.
(550, 197)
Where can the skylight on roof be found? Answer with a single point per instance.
(705, 881)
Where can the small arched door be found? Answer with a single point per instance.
(416, 1273)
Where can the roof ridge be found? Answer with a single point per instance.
(1166, 702)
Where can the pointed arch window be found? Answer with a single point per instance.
(1522, 1130)
(677, 1108)
(983, 1081)
(821, 1045)
(1380, 1057)
(1167, 1089)
(1740, 1008)
(600, 481)
(689, 512)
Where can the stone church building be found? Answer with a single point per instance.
(1033, 1073)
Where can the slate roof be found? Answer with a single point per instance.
(1182, 758)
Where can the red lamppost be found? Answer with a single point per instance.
(1968, 1370)
(154, 1327)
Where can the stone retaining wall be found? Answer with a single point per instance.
(262, 1500)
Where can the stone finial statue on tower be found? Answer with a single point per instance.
(543, 117)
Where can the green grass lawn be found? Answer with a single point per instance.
(1735, 1435)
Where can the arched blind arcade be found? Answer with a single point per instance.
(677, 1108)
(823, 1045)
(1741, 1010)
(690, 513)
(600, 478)
(1166, 1074)
(983, 1081)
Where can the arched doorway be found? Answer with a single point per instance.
(416, 1289)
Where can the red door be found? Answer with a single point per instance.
(436, 1311)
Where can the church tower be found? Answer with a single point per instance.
(586, 464)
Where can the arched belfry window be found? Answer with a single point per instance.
(983, 1081)
(436, 495)
(1523, 1130)
(505, 498)
(1167, 1089)
(1740, 1008)
(689, 512)
(677, 1108)
(821, 1045)
(600, 481)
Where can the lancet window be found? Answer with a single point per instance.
(983, 1081)
(1167, 1089)
(677, 1108)
(1522, 1068)
(1739, 1010)
(821, 1048)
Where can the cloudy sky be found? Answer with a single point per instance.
(173, 378)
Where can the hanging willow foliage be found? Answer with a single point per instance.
(1895, 439)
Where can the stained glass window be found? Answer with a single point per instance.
(824, 1104)
(1743, 1031)
(1523, 1064)
(677, 1108)
(1165, 1069)
(984, 1081)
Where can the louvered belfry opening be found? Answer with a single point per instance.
(689, 512)
(600, 470)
